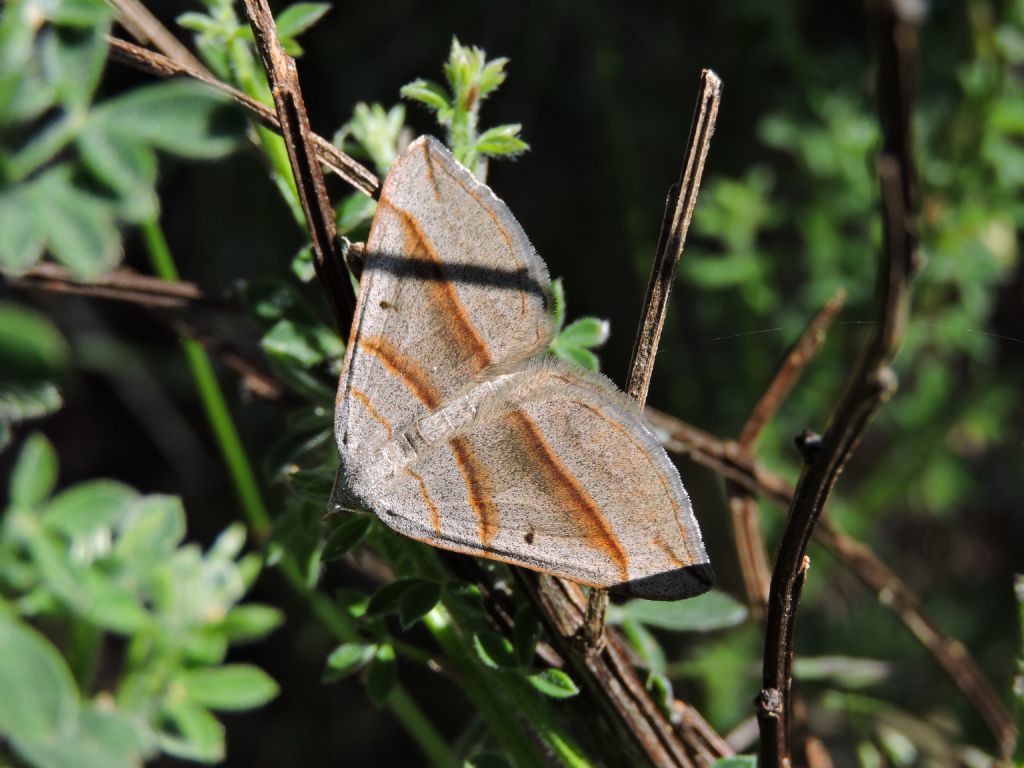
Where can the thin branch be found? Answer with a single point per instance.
(891, 592)
(120, 285)
(676, 223)
(743, 508)
(146, 28)
(871, 384)
(793, 364)
(309, 179)
(358, 176)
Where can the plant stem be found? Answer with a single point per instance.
(212, 397)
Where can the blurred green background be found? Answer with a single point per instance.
(788, 214)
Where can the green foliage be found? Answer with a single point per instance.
(710, 611)
(71, 204)
(471, 79)
(33, 357)
(575, 342)
(99, 561)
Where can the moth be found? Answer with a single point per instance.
(457, 429)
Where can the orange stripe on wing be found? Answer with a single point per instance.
(479, 490)
(569, 494)
(359, 395)
(412, 375)
(435, 515)
(442, 292)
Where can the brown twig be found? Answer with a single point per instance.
(870, 386)
(120, 285)
(743, 508)
(682, 198)
(146, 28)
(355, 174)
(309, 179)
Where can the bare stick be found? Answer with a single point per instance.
(682, 198)
(743, 508)
(871, 384)
(355, 174)
(309, 179)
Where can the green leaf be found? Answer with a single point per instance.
(581, 357)
(87, 507)
(191, 733)
(382, 676)
(710, 611)
(495, 650)
(738, 761)
(231, 687)
(345, 536)
(39, 696)
(79, 227)
(152, 529)
(23, 402)
(526, 634)
(111, 605)
(127, 167)
(585, 332)
(297, 18)
(73, 59)
(355, 211)
(103, 738)
(558, 298)
(347, 659)
(32, 350)
(660, 688)
(181, 117)
(843, 671)
(417, 601)
(429, 93)
(645, 645)
(502, 140)
(554, 683)
(35, 473)
(245, 623)
(386, 599)
(22, 244)
(488, 760)
(296, 344)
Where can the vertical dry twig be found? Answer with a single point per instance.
(870, 386)
(309, 179)
(682, 198)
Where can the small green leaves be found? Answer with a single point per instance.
(347, 659)
(382, 676)
(708, 612)
(471, 79)
(738, 761)
(386, 599)
(374, 133)
(296, 19)
(575, 341)
(230, 687)
(246, 623)
(554, 683)
(345, 536)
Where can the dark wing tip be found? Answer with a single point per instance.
(677, 584)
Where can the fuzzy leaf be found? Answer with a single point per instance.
(502, 140)
(245, 623)
(193, 734)
(429, 93)
(585, 332)
(494, 650)
(386, 599)
(84, 508)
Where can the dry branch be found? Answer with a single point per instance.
(358, 176)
